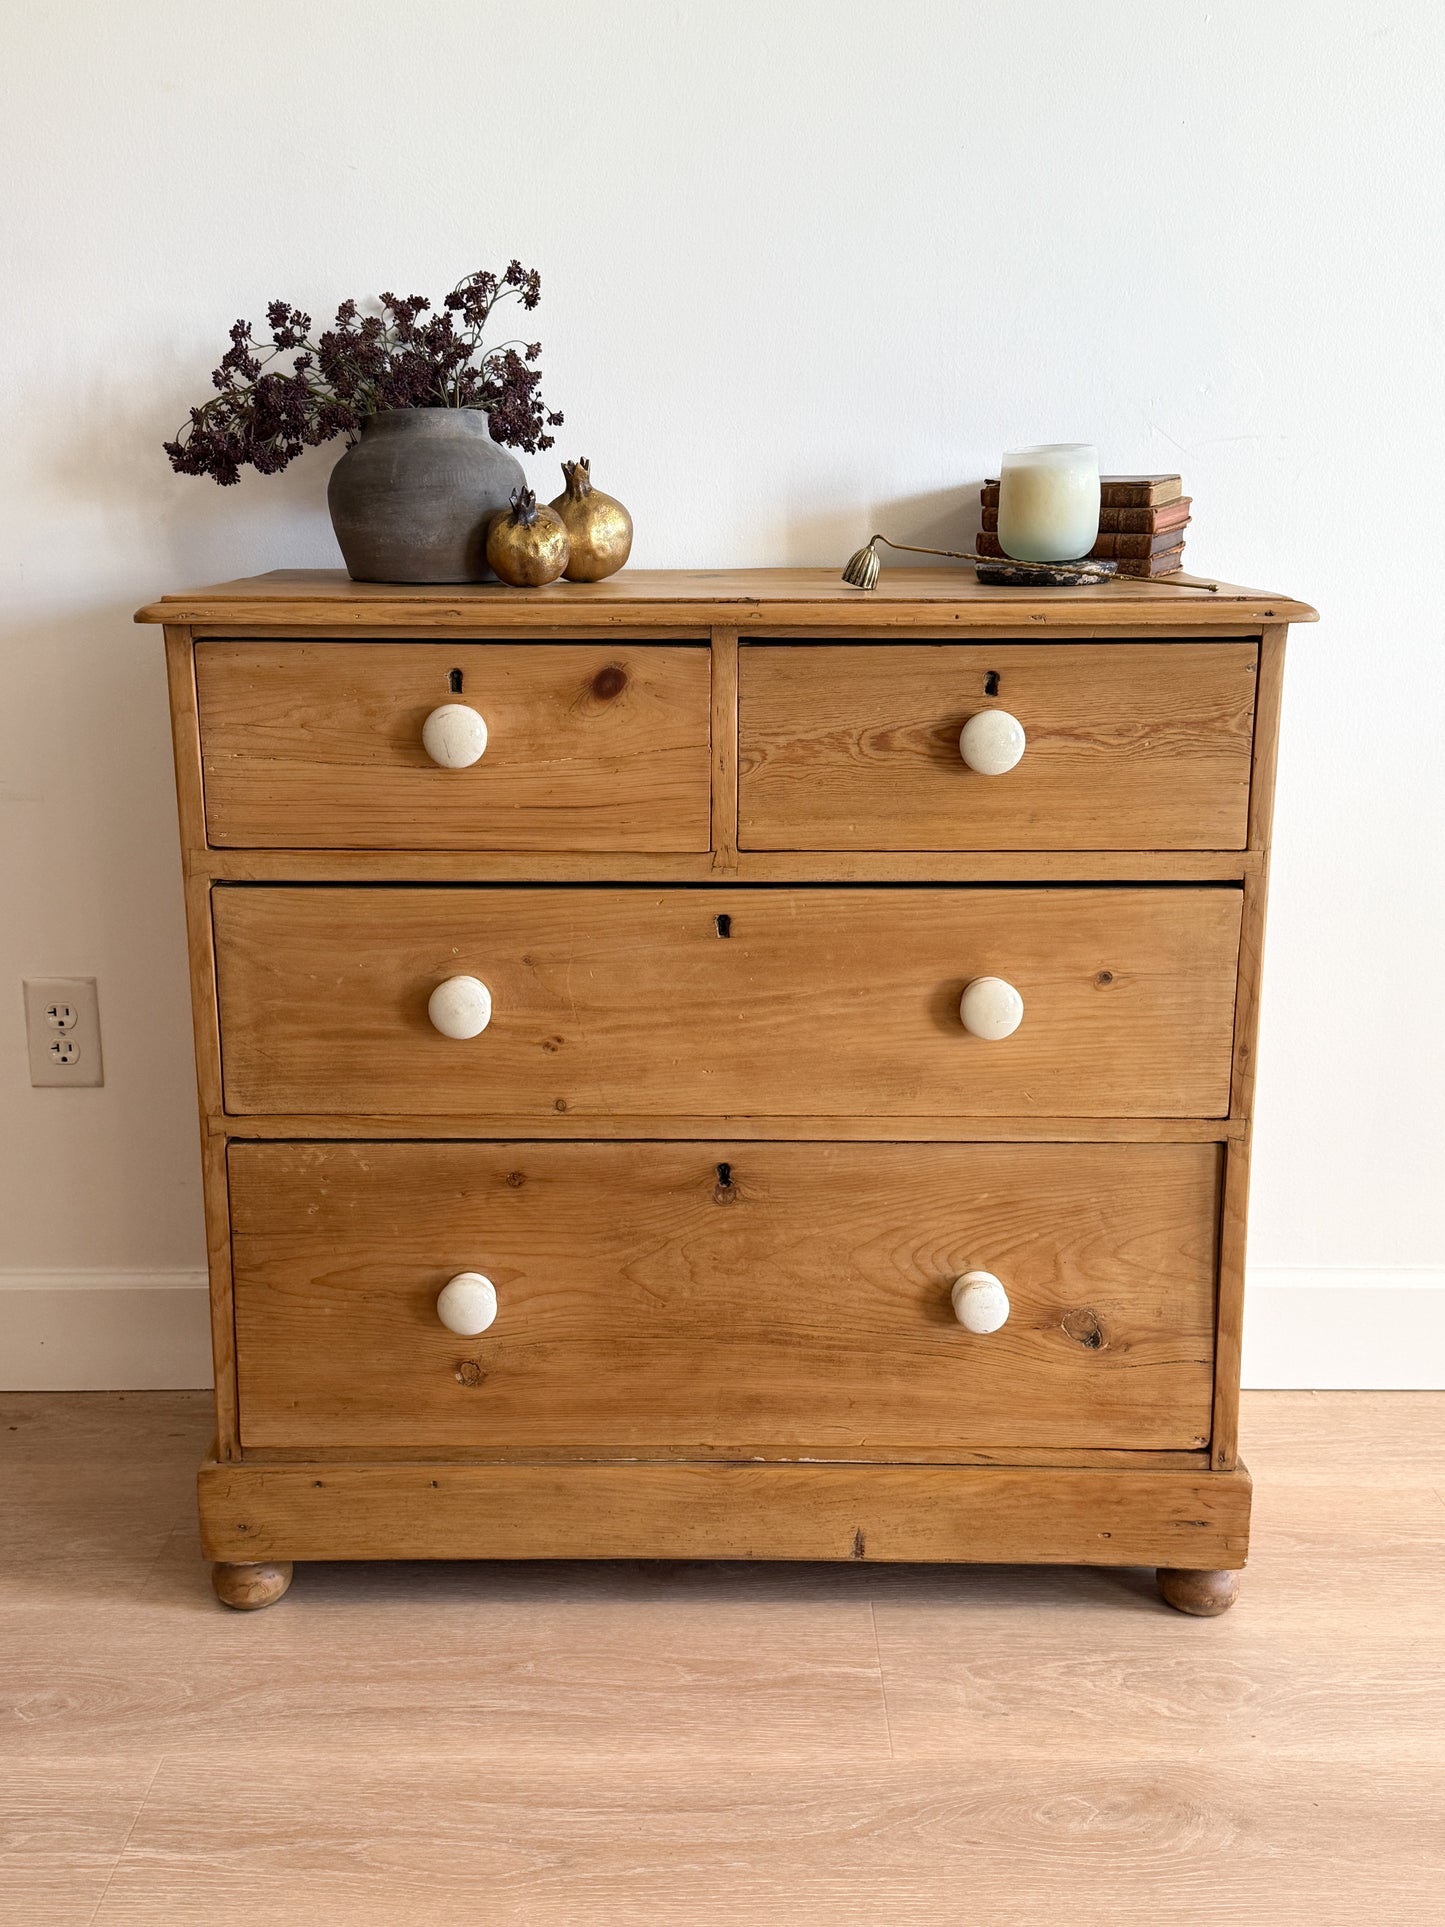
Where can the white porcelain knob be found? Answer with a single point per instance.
(980, 1303)
(460, 1007)
(454, 736)
(991, 742)
(990, 1008)
(467, 1304)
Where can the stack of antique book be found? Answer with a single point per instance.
(1142, 519)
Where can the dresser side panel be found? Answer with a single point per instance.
(205, 1019)
(1235, 1204)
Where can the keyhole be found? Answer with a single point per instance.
(724, 926)
(454, 682)
(990, 683)
(725, 1175)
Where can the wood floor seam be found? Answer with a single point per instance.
(882, 1681)
(130, 1834)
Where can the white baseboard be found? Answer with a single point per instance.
(128, 1331)
(104, 1331)
(1312, 1328)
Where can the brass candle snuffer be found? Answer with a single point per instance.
(864, 567)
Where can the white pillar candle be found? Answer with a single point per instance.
(1048, 502)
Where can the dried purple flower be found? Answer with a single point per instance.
(262, 416)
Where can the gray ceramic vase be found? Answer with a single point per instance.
(410, 502)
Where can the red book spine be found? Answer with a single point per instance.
(1162, 562)
(1150, 565)
(1132, 548)
(1106, 544)
(1173, 515)
(1118, 491)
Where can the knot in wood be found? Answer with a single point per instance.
(609, 682)
(1084, 1328)
(469, 1372)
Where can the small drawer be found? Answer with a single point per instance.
(727, 1001)
(1125, 746)
(567, 746)
(723, 1299)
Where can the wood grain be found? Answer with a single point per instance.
(63, 1827)
(794, 1021)
(1396, 1438)
(1229, 1312)
(205, 1021)
(923, 1513)
(1074, 1456)
(369, 1842)
(1256, 892)
(759, 599)
(1128, 746)
(776, 621)
(251, 1588)
(590, 746)
(725, 751)
(1238, 1693)
(610, 1002)
(838, 1126)
(216, 1196)
(1268, 703)
(1234, 1204)
(190, 808)
(1203, 1595)
(773, 1301)
(615, 1742)
(747, 866)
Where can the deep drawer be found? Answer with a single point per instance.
(589, 746)
(726, 1002)
(1128, 746)
(725, 1299)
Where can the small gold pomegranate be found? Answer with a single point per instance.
(529, 546)
(598, 527)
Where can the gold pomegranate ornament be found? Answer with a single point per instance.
(527, 546)
(598, 527)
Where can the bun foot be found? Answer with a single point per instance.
(248, 1588)
(1204, 1594)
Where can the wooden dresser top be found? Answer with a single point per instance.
(760, 600)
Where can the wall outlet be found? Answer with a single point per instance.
(62, 1030)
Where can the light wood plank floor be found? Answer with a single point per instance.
(408, 1745)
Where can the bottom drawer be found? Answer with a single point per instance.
(680, 1300)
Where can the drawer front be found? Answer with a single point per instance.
(724, 1001)
(720, 1299)
(1127, 746)
(589, 746)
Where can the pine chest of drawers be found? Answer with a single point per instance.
(725, 1065)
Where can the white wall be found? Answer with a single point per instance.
(807, 269)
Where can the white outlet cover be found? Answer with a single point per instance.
(62, 1030)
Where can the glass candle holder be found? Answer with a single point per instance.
(1048, 502)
